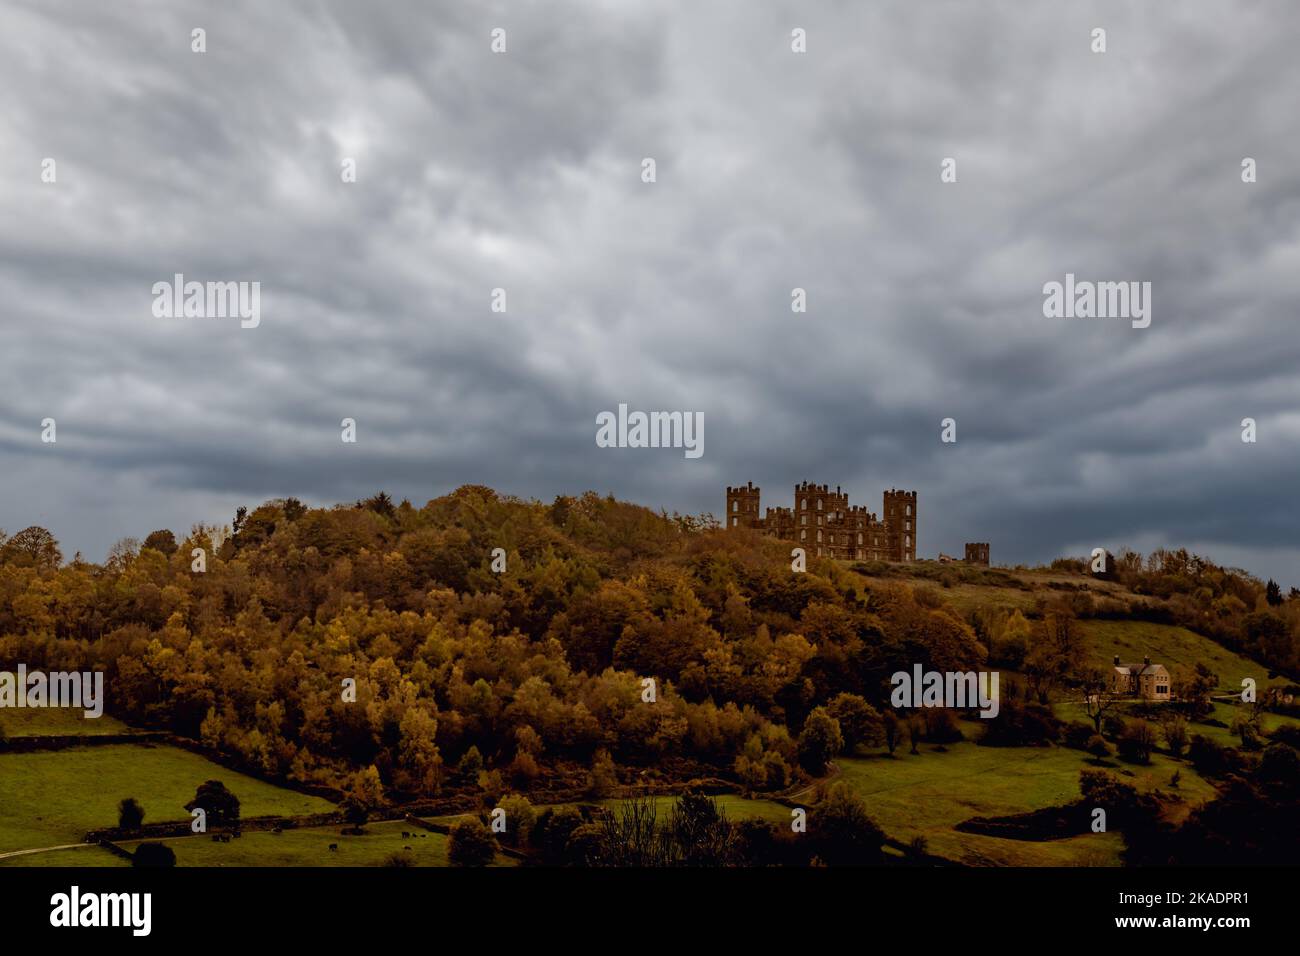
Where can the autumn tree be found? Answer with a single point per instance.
(1097, 697)
(153, 855)
(32, 547)
(819, 741)
(860, 723)
(892, 730)
(220, 805)
(842, 833)
(130, 815)
(1175, 730)
(470, 844)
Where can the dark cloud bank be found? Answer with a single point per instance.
(775, 171)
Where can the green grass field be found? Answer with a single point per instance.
(305, 847)
(31, 722)
(89, 855)
(310, 847)
(735, 807)
(969, 589)
(930, 793)
(50, 798)
(1173, 646)
(1168, 645)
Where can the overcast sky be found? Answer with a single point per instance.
(775, 170)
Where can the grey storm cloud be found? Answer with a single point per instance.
(775, 171)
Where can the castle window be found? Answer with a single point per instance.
(735, 522)
(803, 535)
(819, 537)
(803, 519)
(907, 525)
(803, 504)
(735, 506)
(909, 509)
(819, 504)
(907, 541)
(819, 519)
(859, 537)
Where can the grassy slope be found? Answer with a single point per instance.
(89, 855)
(305, 847)
(57, 721)
(928, 794)
(1166, 644)
(53, 797)
(1169, 645)
(310, 847)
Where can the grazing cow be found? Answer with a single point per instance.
(406, 848)
(405, 835)
(334, 846)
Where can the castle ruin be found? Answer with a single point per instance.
(825, 525)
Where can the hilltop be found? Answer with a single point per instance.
(482, 644)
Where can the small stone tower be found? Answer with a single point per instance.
(742, 506)
(977, 552)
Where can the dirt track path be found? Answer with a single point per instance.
(42, 849)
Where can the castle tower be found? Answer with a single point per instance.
(813, 505)
(742, 506)
(900, 524)
(977, 552)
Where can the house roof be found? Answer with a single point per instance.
(1141, 669)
